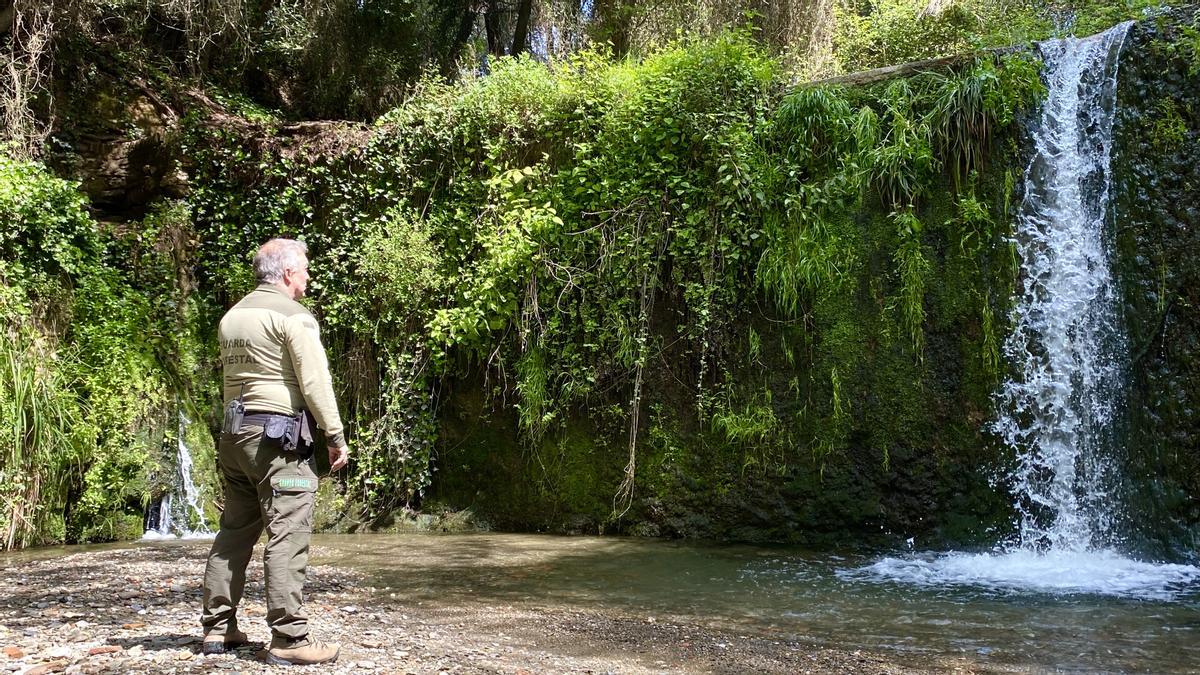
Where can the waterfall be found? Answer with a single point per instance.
(180, 507)
(1069, 353)
(1068, 344)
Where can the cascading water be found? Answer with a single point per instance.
(180, 507)
(1069, 347)
(1067, 341)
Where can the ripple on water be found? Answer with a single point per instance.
(1022, 571)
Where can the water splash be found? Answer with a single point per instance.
(180, 507)
(1053, 572)
(1067, 341)
(1070, 351)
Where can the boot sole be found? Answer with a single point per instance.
(277, 661)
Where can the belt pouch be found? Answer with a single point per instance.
(234, 411)
(276, 429)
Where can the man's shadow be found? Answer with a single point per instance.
(251, 651)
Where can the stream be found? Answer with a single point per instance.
(816, 598)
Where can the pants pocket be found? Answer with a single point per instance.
(292, 497)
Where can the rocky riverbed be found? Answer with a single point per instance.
(136, 609)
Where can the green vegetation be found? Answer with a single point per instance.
(96, 359)
(566, 229)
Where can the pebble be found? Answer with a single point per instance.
(148, 605)
(52, 667)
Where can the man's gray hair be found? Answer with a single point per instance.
(277, 256)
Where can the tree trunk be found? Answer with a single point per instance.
(463, 20)
(613, 22)
(521, 33)
(890, 72)
(491, 25)
(8, 16)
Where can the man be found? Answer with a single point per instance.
(275, 366)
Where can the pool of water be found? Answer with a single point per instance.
(842, 601)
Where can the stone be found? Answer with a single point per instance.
(105, 649)
(13, 652)
(51, 667)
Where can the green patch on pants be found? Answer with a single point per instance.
(293, 484)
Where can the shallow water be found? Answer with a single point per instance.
(818, 598)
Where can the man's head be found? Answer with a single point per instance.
(283, 263)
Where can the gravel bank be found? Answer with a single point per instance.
(136, 609)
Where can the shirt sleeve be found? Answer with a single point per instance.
(312, 371)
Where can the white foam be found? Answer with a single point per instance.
(154, 535)
(1055, 572)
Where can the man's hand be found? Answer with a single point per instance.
(338, 456)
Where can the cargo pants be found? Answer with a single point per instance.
(264, 487)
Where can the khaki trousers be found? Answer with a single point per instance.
(264, 487)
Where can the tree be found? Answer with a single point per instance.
(521, 32)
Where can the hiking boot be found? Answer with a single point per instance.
(219, 644)
(304, 652)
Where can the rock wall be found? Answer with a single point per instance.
(1157, 232)
(921, 461)
(917, 461)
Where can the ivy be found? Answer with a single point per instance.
(567, 226)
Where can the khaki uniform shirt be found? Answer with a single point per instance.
(271, 344)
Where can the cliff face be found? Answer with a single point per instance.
(1157, 228)
(918, 458)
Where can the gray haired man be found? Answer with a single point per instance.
(275, 370)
